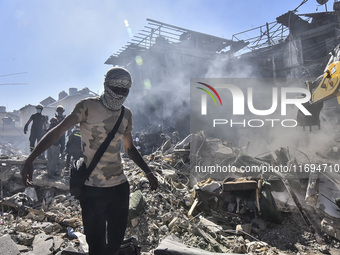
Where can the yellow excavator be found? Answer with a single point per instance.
(325, 87)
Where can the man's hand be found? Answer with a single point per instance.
(25, 129)
(152, 180)
(138, 159)
(27, 173)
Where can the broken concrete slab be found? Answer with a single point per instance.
(136, 204)
(43, 244)
(329, 190)
(330, 228)
(22, 248)
(8, 246)
(25, 238)
(171, 245)
(284, 201)
(210, 226)
(69, 251)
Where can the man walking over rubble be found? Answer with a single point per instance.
(105, 196)
(38, 127)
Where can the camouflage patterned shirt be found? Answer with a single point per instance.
(96, 121)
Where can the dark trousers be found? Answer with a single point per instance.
(75, 156)
(105, 212)
(35, 136)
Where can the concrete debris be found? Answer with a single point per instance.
(233, 213)
(8, 246)
(136, 203)
(43, 244)
(172, 245)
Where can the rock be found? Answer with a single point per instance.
(8, 246)
(172, 223)
(166, 218)
(52, 228)
(68, 249)
(134, 222)
(324, 249)
(210, 226)
(83, 244)
(328, 227)
(37, 217)
(163, 229)
(58, 241)
(22, 226)
(167, 173)
(242, 229)
(136, 205)
(60, 198)
(30, 192)
(240, 248)
(25, 239)
(22, 248)
(43, 244)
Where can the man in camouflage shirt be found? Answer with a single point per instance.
(105, 197)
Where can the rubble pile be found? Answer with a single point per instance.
(241, 213)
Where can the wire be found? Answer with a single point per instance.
(12, 74)
(303, 2)
(4, 84)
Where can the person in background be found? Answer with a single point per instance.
(139, 143)
(73, 146)
(105, 197)
(165, 142)
(53, 154)
(174, 138)
(163, 138)
(38, 127)
(60, 117)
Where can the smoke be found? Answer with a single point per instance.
(162, 99)
(256, 131)
(160, 94)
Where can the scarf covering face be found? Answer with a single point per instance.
(115, 77)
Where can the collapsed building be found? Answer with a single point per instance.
(164, 57)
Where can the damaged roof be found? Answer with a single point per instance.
(161, 33)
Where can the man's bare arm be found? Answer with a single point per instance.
(26, 125)
(134, 154)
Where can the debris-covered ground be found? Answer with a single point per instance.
(237, 215)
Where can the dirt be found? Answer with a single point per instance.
(293, 236)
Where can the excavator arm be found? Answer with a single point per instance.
(329, 85)
(324, 88)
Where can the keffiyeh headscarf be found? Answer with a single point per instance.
(115, 77)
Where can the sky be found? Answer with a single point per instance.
(50, 46)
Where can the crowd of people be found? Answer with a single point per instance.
(71, 151)
(61, 150)
(148, 143)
